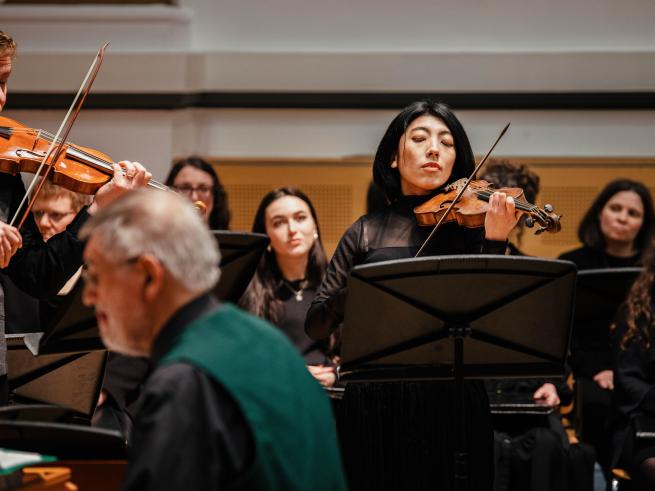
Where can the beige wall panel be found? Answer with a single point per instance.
(338, 187)
(570, 185)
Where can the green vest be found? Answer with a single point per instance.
(288, 413)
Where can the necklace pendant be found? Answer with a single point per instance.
(299, 296)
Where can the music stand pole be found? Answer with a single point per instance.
(461, 455)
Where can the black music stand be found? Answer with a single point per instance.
(599, 294)
(240, 254)
(65, 441)
(413, 319)
(64, 364)
(69, 324)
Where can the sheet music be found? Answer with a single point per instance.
(72, 281)
(13, 459)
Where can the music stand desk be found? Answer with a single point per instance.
(456, 317)
(240, 254)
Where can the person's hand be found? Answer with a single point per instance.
(10, 242)
(605, 379)
(127, 176)
(325, 375)
(102, 397)
(547, 394)
(501, 217)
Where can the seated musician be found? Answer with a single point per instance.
(633, 398)
(54, 208)
(229, 404)
(289, 273)
(196, 179)
(37, 267)
(615, 231)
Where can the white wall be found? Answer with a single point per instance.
(422, 25)
(340, 45)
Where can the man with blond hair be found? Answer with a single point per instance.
(229, 404)
(54, 208)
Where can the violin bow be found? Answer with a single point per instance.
(461, 191)
(57, 144)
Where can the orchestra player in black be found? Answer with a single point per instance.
(37, 267)
(400, 435)
(615, 232)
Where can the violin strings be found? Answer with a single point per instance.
(520, 204)
(485, 192)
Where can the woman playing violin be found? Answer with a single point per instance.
(41, 268)
(424, 148)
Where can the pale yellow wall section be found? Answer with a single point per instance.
(337, 187)
(570, 185)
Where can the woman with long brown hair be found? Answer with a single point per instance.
(633, 348)
(289, 273)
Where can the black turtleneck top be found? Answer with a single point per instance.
(588, 258)
(389, 234)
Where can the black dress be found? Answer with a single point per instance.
(591, 354)
(400, 435)
(292, 321)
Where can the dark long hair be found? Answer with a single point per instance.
(219, 218)
(260, 297)
(589, 231)
(389, 179)
(637, 307)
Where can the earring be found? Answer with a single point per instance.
(269, 248)
(315, 235)
(394, 164)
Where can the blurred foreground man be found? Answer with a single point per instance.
(230, 404)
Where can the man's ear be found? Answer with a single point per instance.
(154, 276)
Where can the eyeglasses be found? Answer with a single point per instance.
(188, 190)
(90, 278)
(54, 216)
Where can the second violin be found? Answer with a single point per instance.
(79, 169)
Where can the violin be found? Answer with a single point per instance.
(471, 208)
(79, 169)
